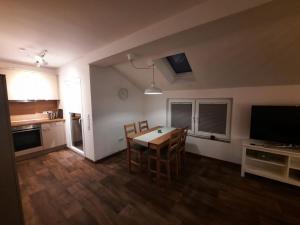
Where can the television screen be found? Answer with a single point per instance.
(276, 123)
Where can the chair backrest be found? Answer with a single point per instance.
(143, 125)
(174, 141)
(183, 135)
(129, 129)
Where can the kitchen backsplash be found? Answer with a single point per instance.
(36, 116)
(24, 108)
(31, 110)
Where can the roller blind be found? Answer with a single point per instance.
(212, 118)
(181, 115)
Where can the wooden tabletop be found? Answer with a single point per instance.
(162, 139)
(157, 141)
(132, 136)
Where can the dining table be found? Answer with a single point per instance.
(155, 138)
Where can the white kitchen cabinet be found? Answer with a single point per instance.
(53, 134)
(31, 85)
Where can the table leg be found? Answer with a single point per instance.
(129, 157)
(158, 164)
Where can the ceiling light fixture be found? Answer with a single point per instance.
(39, 59)
(152, 90)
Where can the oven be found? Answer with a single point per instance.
(27, 138)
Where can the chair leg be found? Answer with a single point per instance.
(149, 166)
(169, 170)
(140, 160)
(178, 162)
(177, 165)
(129, 159)
(183, 158)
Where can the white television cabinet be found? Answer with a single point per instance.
(273, 162)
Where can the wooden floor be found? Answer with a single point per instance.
(63, 188)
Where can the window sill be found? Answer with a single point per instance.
(210, 138)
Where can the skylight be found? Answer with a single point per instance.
(179, 63)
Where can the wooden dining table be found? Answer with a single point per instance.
(154, 140)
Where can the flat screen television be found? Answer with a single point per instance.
(276, 123)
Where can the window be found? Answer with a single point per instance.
(213, 118)
(179, 63)
(181, 113)
(209, 118)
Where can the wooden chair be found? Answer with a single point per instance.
(168, 156)
(181, 149)
(136, 149)
(143, 125)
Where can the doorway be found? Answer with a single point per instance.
(76, 131)
(71, 89)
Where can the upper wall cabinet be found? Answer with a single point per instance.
(31, 85)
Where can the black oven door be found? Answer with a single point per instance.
(27, 138)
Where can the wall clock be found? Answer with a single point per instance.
(123, 93)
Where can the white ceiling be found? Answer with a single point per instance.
(258, 47)
(71, 28)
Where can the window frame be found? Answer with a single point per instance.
(181, 101)
(195, 111)
(172, 62)
(227, 134)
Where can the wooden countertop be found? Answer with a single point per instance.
(35, 121)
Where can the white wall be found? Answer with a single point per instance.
(182, 21)
(243, 98)
(29, 82)
(110, 113)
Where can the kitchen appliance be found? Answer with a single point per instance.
(27, 139)
(52, 115)
(60, 114)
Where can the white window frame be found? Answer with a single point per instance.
(195, 108)
(228, 102)
(182, 101)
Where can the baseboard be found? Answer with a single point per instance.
(39, 153)
(107, 157)
(207, 157)
(189, 153)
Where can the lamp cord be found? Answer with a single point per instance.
(153, 73)
(144, 68)
(140, 68)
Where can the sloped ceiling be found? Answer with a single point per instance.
(71, 28)
(258, 47)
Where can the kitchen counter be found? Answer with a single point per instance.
(34, 121)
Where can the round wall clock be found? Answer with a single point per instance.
(123, 93)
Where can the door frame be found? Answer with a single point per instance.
(68, 118)
(9, 185)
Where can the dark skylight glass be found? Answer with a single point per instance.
(179, 63)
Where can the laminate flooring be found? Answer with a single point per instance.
(64, 188)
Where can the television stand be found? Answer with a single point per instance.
(273, 162)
